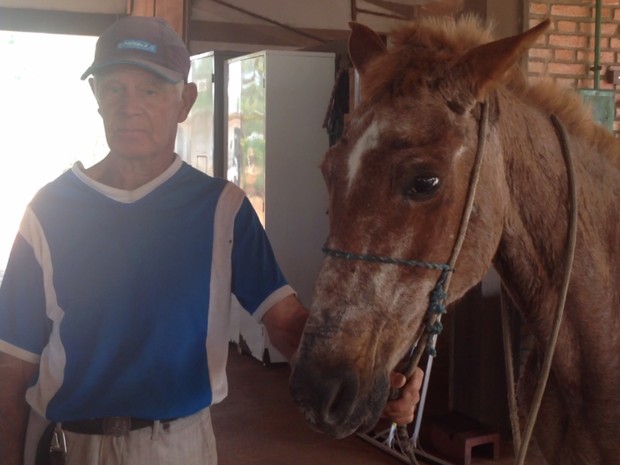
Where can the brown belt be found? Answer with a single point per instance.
(109, 426)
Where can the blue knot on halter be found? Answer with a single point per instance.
(435, 328)
(437, 303)
(436, 308)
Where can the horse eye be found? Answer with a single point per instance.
(422, 186)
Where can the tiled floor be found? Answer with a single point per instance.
(258, 424)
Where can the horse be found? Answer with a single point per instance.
(397, 183)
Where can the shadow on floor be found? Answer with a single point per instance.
(258, 424)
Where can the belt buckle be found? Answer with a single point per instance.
(116, 426)
(59, 442)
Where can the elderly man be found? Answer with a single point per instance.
(115, 301)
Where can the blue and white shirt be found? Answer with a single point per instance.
(123, 297)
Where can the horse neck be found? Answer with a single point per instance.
(532, 250)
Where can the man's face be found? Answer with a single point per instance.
(140, 111)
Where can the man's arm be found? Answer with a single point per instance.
(15, 377)
(285, 322)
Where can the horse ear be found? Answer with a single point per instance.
(485, 65)
(364, 45)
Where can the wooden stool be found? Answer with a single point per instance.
(455, 436)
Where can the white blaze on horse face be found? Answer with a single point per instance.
(366, 142)
(459, 152)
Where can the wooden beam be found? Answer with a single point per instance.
(175, 12)
(239, 33)
(55, 22)
(401, 9)
(93, 24)
(141, 7)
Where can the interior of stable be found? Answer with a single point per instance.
(467, 391)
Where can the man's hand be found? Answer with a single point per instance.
(402, 410)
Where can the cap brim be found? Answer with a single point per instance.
(164, 73)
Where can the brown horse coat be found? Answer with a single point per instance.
(397, 183)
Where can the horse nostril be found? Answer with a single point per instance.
(341, 397)
(326, 396)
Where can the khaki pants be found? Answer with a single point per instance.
(187, 441)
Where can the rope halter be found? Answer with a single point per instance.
(438, 297)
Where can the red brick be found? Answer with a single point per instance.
(564, 55)
(607, 57)
(568, 41)
(571, 69)
(614, 43)
(539, 8)
(571, 10)
(542, 53)
(609, 29)
(587, 27)
(583, 55)
(567, 26)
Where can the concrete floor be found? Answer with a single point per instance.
(258, 424)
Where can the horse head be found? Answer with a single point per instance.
(398, 182)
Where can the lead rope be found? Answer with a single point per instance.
(425, 338)
(513, 408)
(440, 292)
(568, 266)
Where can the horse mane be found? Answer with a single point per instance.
(569, 107)
(423, 51)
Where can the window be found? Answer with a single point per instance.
(48, 119)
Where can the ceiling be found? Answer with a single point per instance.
(274, 23)
(79, 6)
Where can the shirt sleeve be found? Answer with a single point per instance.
(24, 326)
(256, 276)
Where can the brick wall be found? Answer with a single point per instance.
(567, 50)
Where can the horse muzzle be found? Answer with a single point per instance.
(333, 400)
